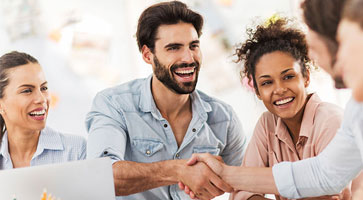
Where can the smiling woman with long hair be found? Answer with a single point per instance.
(24, 104)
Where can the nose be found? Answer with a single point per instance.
(188, 56)
(41, 97)
(280, 89)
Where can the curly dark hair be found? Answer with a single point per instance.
(276, 36)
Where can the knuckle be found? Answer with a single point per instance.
(219, 184)
(219, 193)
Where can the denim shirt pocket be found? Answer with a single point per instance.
(147, 147)
(206, 149)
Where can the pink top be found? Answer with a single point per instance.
(271, 142)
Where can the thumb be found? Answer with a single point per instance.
(192, 160)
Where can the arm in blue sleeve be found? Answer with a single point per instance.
(329, 172)
(236, 142)
(107, 130)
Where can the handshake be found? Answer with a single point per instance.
(202, 177)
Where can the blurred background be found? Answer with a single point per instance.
(85, 46)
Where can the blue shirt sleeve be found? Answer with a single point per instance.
(83, 151)
(236, 142)
(107, 130)
(330, 171)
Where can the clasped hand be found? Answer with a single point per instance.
(202, 177)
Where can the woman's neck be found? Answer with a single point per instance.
(294, 124)
(22, 146)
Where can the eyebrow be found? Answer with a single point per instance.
(179, 44)
(195, 42)
(173, 45)
(268, 76)
(32, 86)
(286, 70)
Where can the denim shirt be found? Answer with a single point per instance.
(53, 147)
(125, 124)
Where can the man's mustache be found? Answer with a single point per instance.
(184, 65)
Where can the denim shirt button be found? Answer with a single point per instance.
(165, 125)
(148, 152)
(194, 129)
(105, 152)
(177, 156)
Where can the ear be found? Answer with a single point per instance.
(258, 95)
(307, 78)
(147, 55)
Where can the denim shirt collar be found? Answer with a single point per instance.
(48, 139)
(147, 103)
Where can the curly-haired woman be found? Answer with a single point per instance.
(297, 125)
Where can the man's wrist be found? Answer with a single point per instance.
(177, 169)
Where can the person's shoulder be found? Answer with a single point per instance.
(68, 140)
(267, 120)
(214, 102)
(353, 106)
(122, 97)
(129, 88)
(327, 111)
(220, 110)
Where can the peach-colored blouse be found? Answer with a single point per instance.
(271, 142)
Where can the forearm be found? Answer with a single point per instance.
(132, 177)
(258, 180)
(330, 171)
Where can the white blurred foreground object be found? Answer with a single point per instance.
(87, 179)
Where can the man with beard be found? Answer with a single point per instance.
(150, 127)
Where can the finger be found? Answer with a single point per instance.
(192, 160)
(220, 184)
(328, 197)
(199, 157)
(181, 186)
(211, 191)
(211, 161)
(187, 190)
(204, 195)
(219, 158)
(336, 197)
(192, 195)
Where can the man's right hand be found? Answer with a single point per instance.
(202, 181)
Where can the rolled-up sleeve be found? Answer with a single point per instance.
(106, 128)
(236, 142)
(326, 174)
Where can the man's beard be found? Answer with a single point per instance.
(339, 83)
(162, 74)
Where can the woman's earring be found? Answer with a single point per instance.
(1, 111)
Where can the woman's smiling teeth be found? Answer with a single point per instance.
(283, 101)
(37, 113)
